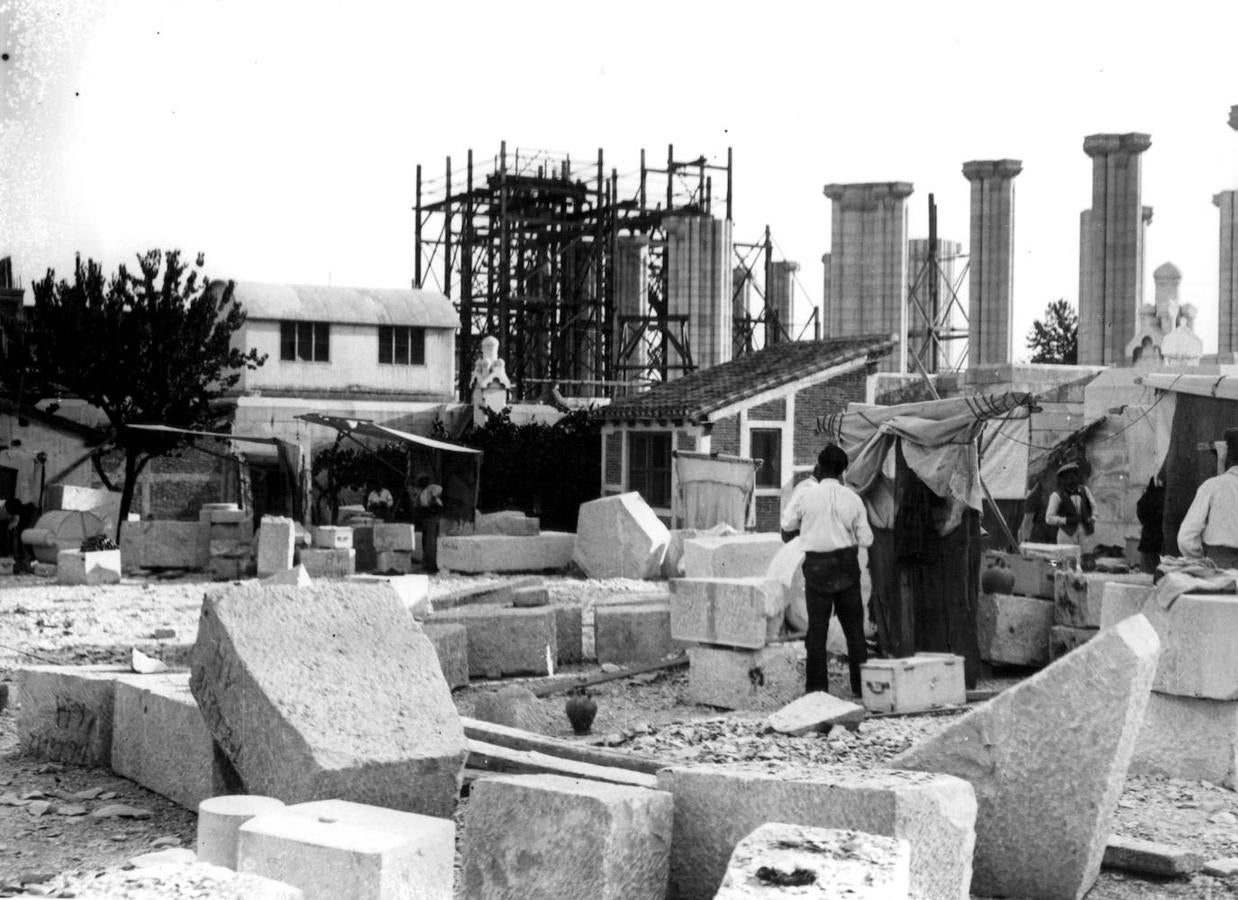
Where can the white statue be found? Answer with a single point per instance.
(489, 370)
(1182, 347)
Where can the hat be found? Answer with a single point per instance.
(1069, 467)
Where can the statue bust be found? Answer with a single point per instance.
(1182, 346)
(489, 370)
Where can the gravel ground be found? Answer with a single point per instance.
(57, 850)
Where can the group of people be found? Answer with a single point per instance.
(426, 498)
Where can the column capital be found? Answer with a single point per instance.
(992, 168)
(1233, 117)
(869, 193)
(1146, 215)
(1218, 199)
(1132, 142)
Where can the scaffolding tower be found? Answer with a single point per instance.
(937, 321)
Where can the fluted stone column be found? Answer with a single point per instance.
(780, 297)
(1227, 284)
(1109, 309)
(991, 278)
(868, 263)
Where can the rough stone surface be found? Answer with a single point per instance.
(1150, 857)
(451, 645)
(620, 537)
(333, 537)
(533, 595)
(1188, 737)
(717, 806)
(557, 838)
(507, 641)
(511, 522)
(413, 591)
(160, 544)
(1012, 630)
(476, 553)
(321, 563)
(731, 612)
(199, 880)
(1063, 639)
(672, 562)
(96, 567)
(1197, 638)
(633, 634)
(394, 536)
(569, 625)
(276, 545)
(1222, 868)
(66, 712)
(815, 712)
(1079, 595)
(296, 577)
(1031, 765)
(764, 679)
(920, 682)
(513, 706)
(733, 556)
(219, 819)
(328, 692)
(400, 562)
(844, 865)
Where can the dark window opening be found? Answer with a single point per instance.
(307, 341)
(767, 447)
(401, 345)
(649, 466)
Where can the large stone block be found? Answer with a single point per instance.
(66, 712)
(716, 807)
(94, 567)
(451, 645)
(764, 679)
(219, 820)
(1012, 630)
(1197, 638)
(277, 537)
(331, 691)
(413, 591)
(1028, 769)
(394, 536)
(513, 706)
(732, 612)
(516, 845)
(1065, 638)
(507, 641)
(322, 563)
(511, 522)
(1080, 595)
(831, 862)
(476, 553)
(635, 634)
(160, 545)
(395, 561)
(333, 537)
(733, 556)
(1185, 737)
(620, 537)
(569, 634)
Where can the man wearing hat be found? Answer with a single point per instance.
(1072, 508)
(832, 525)
(1211, 525)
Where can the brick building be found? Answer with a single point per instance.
(763, 405)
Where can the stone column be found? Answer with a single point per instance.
(631, 274)
(991, 278)
(1109, 311)
(780, 297)
(868, 264)
(1227, 284)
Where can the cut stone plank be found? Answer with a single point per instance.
(1222, 868)
(66, 712)
(277, 537)
(1080, 595)
(764, 679)
(511, 522)
(219, 820)
(400, 562)
(515, 844)
(717, 806)
(328, 692)
(528, 597)
(840, 863)
(1028, 770)
(478, 553)
(815, 712)
(507, 760)
(451, 646)
(734, 556)
(1013, 630)
(1064, 638)
(507, 641)
(1189, 737)
(1069, 554)
(620, 537)
(731, 612)
(516, 739)
(1150, 858)
(497, 594)
(638, 633)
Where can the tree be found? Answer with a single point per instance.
(1055, 339)
(148, 348)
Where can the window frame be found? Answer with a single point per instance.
(401, 345)
(303, 341)
(643, 468)
(773, 461)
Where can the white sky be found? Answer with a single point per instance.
(281, 139)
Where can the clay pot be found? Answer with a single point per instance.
(997, 579)
(581, 708)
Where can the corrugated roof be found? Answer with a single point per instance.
(697, 394)
(360, 306)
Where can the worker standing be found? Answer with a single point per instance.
(1210, 527)
(832, 525)
(427, 511)
(1071, 508)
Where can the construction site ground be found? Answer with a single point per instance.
(60, 847)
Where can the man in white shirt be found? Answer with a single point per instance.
(1210, 527)
(832, 526)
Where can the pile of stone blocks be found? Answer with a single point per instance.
(620, 537)
(1077, 606)
(160, 544)
(228, 532)
(395, 545)
(1191, 727)
(547, 551)
(332, 555)
(88, 567)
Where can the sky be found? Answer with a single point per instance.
(281, 139)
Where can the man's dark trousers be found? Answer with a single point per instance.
(832, 584)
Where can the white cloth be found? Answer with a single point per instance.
(381, 497)
(1213, 516)
(829, 516)
(713, 490)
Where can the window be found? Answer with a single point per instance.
(767, 447)
(649, 466)
(308, 341)
(401, 346)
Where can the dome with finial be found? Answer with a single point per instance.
(1167, 272)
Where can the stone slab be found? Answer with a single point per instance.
(331, 691)
(633, 634)
(513, 706)
(569, 634)
(451, 645)
(277, 537)
(160, 544)
(913, 684)
(620, 537)
(717, 806)
(534, 595)
(395, 561)
(197, 880)
(477, 553)
(413, 591)
(219, 820)
(733, 556)
(333, 537)
(96, 567)
(1150, 857)
(1028, 768)
(507, 641)
(1063, 639)
(1080, 595)
(506, 522)
(1226, 867)
(394, 536)
(832, 863)
(515, 844)
(66, 712)
(322, 563)
(1013, 630)
(1189, 737)
(1197, 638)
(815, 712)
(765, 679)
(730, 612)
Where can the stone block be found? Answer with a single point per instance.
(1033, 577)
(507, 522)
(513, 706)
(733, 556)
(476, 553)
(717, 806)
(569, 634)
(160, 741)
(1064, 638)
(363, 543)
(1079, 595)
(160, 545)
(732, 612)
(833, 863)
(1150, 857)
(515, 844)
(231, 531)
(394, 536)
(764, 679)
(413, 591)
(507, 641)
(225, 514)
(451, 645)
(620, 537)
(1013, 630)
(276, 545)
(914, 683)
(1027, 769)
(394, 561)
(632, 635)
(528, 597)
(230, 548)
(95, 567)
(1197, 638)
(817, 711)
(333, 537)
(672, 562)
(331, 691)
(321, 563)
(1186, 737)
(228, 568)
(297, 577)
(219, 820)
(66, 712)
(1068, 555)
(334, 850)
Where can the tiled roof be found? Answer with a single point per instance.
(697, 394)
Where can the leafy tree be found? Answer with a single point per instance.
(152, 347)
(1055, 339)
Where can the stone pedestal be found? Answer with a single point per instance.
(991, 278)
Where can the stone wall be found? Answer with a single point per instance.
(823, 399)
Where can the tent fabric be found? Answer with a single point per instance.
(366, 428)
(1003, 457)
(713, 489)
(1222, 387)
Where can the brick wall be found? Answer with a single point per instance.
(175, 487)
(612, 452)
(725, 437)
(685, 441)
(768, 511)
(771, 411)
(822, 399)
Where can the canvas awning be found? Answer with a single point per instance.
(367, 428)
(223, 436)
(1222, 387)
